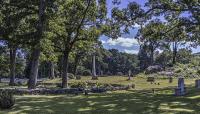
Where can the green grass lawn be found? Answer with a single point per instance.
(121, 102)
(139, 81)
(135, 101)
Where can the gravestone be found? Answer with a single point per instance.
(197, 83)
(150, 79)
(86, 92)
(129, 75)
(181, 87)
(170, 79)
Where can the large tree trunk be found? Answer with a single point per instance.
(12, 65)
(34, 69)
(152, 56)
(94, 76)
(65, 69)
(76, 62)
(36, 51)
(52, 70)
(174, 52)
(28, 67)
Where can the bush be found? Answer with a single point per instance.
(87, 73)
(99, 85)
(80, 70)
(7, 100)
(153, 69)
(94, 78)
(109, 73)
(78, 77)
(150, 79)
(198, 71)
(71, 76)
(78, 85)
(120, 74)
(178, 70)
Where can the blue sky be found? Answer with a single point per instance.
(127, 43)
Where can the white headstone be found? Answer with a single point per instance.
(197, 83)
(181, 85)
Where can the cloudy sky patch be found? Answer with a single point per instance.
(131, 51)
(123, 42)
(127, 43)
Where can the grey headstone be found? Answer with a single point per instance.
(181, 85)
(170, 79)
(197, 83)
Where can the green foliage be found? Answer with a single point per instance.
(78, 77)
(184, 56)
(121, 62)
(70, 28)
(4, 65)
(7, 100)
(195, 61)
(87, 73)
(79, 85)
(120, 74)
(99, 85)
(178, 70)
(198, 71)
(80, 70)
(71, 76)
(164, 58)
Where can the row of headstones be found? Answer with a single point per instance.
(181, 89)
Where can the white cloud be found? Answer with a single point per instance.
(124, 42)
(103, 42)
(137, 26)
(131, 51)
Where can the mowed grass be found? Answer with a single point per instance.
(119, 102)
(5, 85)
(140, 81)
(140, 100)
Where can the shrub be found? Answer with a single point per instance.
(78, 77)
(7, 100)
(78, 85)
(80, 70)
(150, 79)
(198, 71)
(109, 73)
(120, 74)
(153, 69)
(99, 85)
(71, 76)
(170, 65)
(87, 73)
(178, 70)
(94, 78)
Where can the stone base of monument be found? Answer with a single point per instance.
(170, 79)
(94, 78)
(197, 83)
(78, 77)
(178, 92)
(150, 79)
(129, 78)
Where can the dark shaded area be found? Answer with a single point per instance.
(112, 103)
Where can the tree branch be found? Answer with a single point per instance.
(81, 23)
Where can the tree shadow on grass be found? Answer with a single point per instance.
(129, 102)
